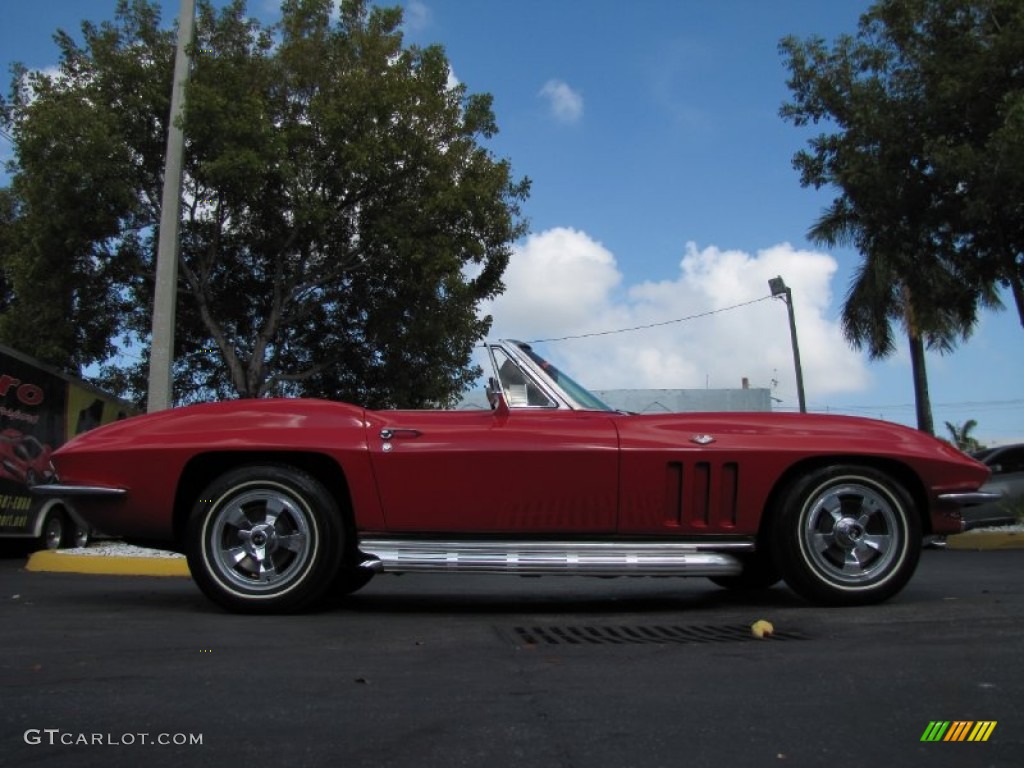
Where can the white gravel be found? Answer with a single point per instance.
(1019, 528)
(117, 549)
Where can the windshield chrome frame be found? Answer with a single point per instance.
(511, 348)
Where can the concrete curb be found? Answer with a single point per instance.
(985, 540)
(107, 565)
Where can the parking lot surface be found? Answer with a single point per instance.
(495, 671)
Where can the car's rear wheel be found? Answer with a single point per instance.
(265, 539)
(56, 530)
(847, 535)
(79, 535)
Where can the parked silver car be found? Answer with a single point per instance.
(1007, 465)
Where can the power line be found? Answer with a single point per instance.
(651, 325)
(993, 404)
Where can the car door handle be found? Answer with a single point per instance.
(392, 432)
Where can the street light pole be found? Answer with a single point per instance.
(165, 292)
(781, 290)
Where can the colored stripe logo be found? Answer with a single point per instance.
(958, 730)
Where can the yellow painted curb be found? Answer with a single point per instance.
(986, 540)
(55, 562)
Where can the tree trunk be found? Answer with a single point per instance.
(1016, 280)
(922, 398)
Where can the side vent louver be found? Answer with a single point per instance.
(702, 495)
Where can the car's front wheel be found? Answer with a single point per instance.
(847, 535)
(265, 539)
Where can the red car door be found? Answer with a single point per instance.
(530, 471)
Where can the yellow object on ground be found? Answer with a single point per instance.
(986, 540)
(60, 562)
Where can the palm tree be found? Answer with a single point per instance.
(962, 436)
(893, 154)
(903, 279)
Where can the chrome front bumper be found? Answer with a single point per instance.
(970, 498)
(58, 489)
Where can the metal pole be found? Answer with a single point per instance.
(796, 353)
(782, 291)
(165, 291)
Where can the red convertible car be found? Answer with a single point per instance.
(281, 504)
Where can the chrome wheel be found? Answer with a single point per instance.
(852, 532)
(261, 539)
(54, 530)
(265, 539)
(79, 536)
(846, 535)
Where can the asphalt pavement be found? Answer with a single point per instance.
(436, 670)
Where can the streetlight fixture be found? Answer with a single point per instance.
(781, 290)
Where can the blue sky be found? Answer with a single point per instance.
(662, 188)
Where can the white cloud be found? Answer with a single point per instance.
(53, 73)
(560, 275)
(417, 16)
(566, 104)
(453, 80)
(562, 282)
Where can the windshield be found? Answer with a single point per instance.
(576, 391)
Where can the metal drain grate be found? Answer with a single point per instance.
(649, 635)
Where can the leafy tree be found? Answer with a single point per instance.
(969, 55)
(895, 100)
(342, 220)
(8, 213)
(962, 437)
(60, 223)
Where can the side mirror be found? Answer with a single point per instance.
(496, 397)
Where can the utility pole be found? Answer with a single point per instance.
(781, 290)
(161, 354)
